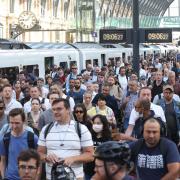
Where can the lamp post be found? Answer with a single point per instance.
(136, 36)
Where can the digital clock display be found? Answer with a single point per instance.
(158, 36)
(112, 36)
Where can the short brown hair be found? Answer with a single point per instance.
(17, 111)
(26, 155)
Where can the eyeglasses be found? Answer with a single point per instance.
(24, 167)
(79, 112)
(1, 108)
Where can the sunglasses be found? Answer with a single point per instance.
(79, 112)
(1, 108)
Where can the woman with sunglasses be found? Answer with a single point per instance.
(80, 115)
(100, 134)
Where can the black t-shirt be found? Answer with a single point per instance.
(89, 167)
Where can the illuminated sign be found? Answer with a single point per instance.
(112, 36)
(158, 35)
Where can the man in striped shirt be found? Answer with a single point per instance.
(63, 143)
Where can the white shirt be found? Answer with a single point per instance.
(66, 135)
(27, 105)
(45, 92)
(157, 110)
(71, 101)
(123, 82)
(11, 105)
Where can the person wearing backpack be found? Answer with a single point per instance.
(171, 109)
(155, 157)
(13, 142)
(143, 106)
(65, 140)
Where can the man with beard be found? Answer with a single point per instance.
(144, 93)
(155, 157)
(9, 102)
(77, 93)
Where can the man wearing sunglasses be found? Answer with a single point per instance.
(29, 165)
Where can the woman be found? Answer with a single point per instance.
(80, 115)
(34, 115)
(100, 133)
(102, 109)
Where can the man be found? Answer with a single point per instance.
(157, 64)
(115, 90)
(9, 102)
(27, 96)
(62, 142)
(35, 93)
(110, 100)
(77, 93)
(44, 90)
(128, 101)
(3, 116)
(72, 75)
(157, 86)
(12, 143)
(123, 79)
(28, 164)
(47, 116)
(172, 113)
(117, 67)
(172, 81)
(112, 161)
(144, 93)
(143, 106)
(57, 88)
(154, 157)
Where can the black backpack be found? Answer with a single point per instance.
(139, 126)
(7, 138)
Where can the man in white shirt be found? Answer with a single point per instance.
(58, 89)
(144, 93)
(123, 79)
(62, 142)
(44, 90)
(9, 101)
(35, 93)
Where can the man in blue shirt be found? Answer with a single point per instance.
(155, 157)
(12, 143)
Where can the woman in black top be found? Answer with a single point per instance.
(80, 115)
(100, 133)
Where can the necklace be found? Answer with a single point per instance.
(61, 141)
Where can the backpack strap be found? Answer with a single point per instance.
(159, 96)
(48, 128)
(162, 147)
(30, 140)
(78, 129)
(136, 149)
(6, 140)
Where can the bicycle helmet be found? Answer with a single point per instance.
(60, 171)
(113, 151)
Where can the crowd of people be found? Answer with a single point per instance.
(95, 122)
